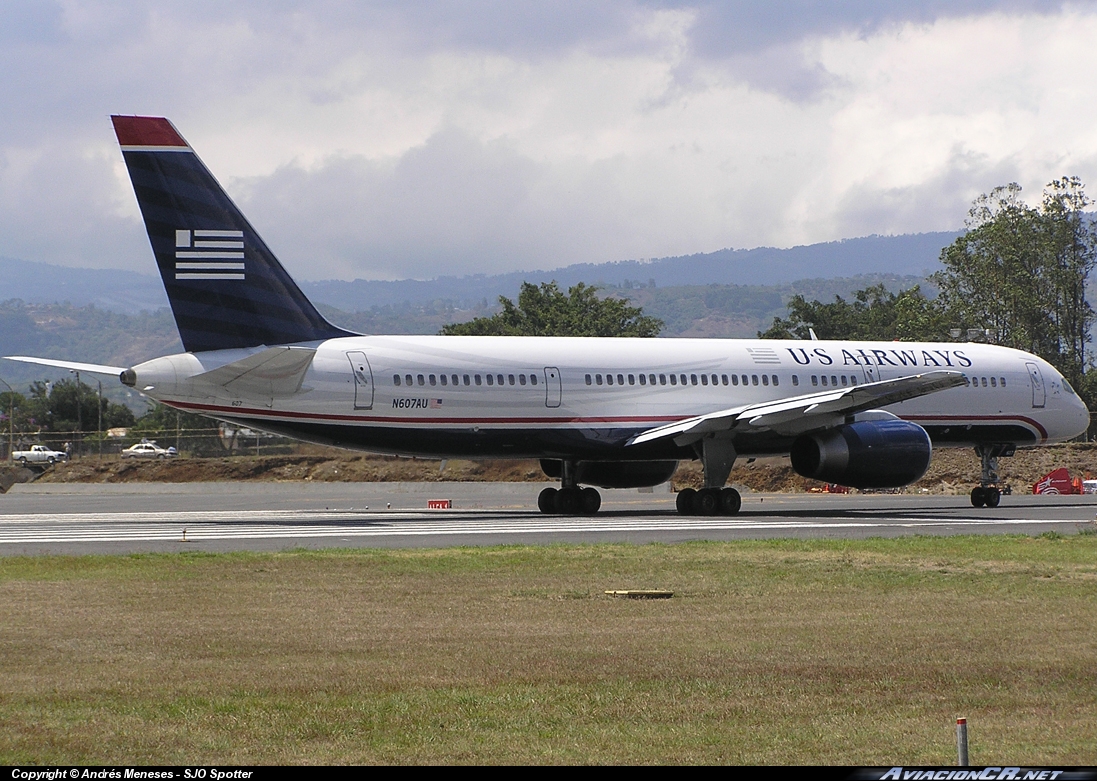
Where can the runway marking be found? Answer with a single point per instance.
(258, 524)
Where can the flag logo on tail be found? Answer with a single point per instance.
(209, 254)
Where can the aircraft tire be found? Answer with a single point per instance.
(589, 501)
(730, 502)
(706, 501)
(568, 501)
(684, 501)
(992, 496)
(546, 501)
(978, 497)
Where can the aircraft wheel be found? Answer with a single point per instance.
(730, 501)
(567, 501)
(992, 496)
(589, 501)
(684, 501)
(978, 497)
(706, 501)
(546, 501)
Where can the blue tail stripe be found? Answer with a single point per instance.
(177, 193)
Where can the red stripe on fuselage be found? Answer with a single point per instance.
(146, 131)
(427, 421)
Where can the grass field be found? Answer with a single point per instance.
(858, 652)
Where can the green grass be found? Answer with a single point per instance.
(845, 652)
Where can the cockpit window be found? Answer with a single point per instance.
(1067, 388)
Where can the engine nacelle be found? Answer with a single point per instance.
(616, 474)
(870, 454)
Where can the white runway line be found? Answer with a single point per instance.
(256, 524)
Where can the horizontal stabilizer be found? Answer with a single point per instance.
(91, 368)
(276, 372)
(803, 413)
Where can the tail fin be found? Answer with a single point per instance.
(225, 286)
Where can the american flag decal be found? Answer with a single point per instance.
(209, 254)
(435, 403)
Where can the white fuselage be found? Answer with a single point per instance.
(585, 398)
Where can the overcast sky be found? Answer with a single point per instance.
(411, 139)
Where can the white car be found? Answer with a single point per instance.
(148, 450)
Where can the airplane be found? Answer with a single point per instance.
(605, 412)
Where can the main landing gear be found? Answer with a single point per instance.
(987, 493)
(717, 458)
(569, 499)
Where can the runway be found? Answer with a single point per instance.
(131, 518)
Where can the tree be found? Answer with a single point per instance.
(1021, 271)
(874, 313)
(546, 311)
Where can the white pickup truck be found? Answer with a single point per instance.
(38, 454)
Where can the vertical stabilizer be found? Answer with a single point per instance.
(226, 288)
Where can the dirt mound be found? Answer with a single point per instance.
(952, 471)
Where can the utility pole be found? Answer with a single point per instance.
(79, 412)
(11, 420)
(100, 427)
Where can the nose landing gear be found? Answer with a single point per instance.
(987, 493)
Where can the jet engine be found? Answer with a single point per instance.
(616, 474)
(868, 454)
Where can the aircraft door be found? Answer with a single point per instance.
(872, 373)
(553, 387)
(1039, 393)
(363, 380)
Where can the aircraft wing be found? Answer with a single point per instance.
(276, 372)
(803, 413)
(91, 368)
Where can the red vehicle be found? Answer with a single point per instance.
(1058, 482)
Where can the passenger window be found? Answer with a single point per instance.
(682, 378)
(1002, 380)
(795, 380)
(632, 379)
(704, 379)
(396, 379)
(745, 380)
(775, 380)
(407, 379)
(533, 379)
(994, 382)
(662, 379)
(765, 380)
(510, 378)
(491, 379)
(598, 378)
(521, 379)
(814, 379)
(421, 379)
(834, 381)
(984, 382)
(477, 378)
(651, 379)
(693, 379)
(443, 378)
(844, 381)
(643, 379)
(673, 379)
(609, 379)
(620, 379)
(852, 380)
(735, 379)
(590, 380)
(724, 379)
(454, 378)
(433, 380)
(498, 379)
(467, 380)
(824, 381)
(754, 379)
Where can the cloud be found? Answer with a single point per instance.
(392, 139)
